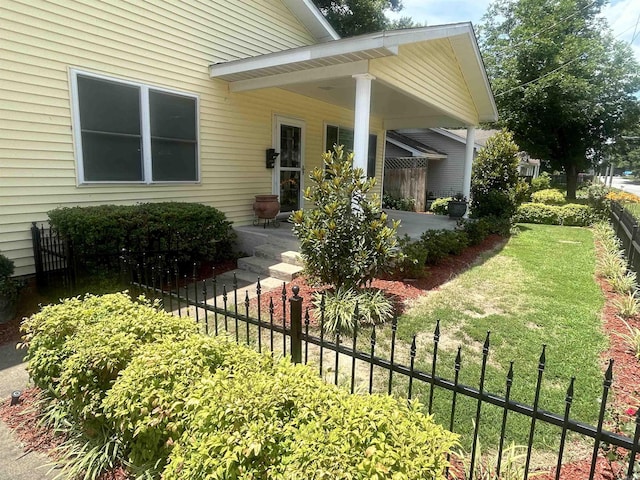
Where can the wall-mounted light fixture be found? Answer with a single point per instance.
(272, 155)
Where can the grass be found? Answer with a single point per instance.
(539, 289)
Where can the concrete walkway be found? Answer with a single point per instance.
(15, 464)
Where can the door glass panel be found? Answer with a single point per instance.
(290, 153)
(289, 190)
(290, 167)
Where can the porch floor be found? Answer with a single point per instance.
(411, 223)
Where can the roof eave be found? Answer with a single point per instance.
(312, 18)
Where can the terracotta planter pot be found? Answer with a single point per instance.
(266, 206)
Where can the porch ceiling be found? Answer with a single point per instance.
(325, 72)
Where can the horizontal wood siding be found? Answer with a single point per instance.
(444, 176)
(168, 44)
(430, 71)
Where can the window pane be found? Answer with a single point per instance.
(371, 161)
(289, 190)
(173, 161)
(172, 116)
(107, 106)
(109, 157)
(345, 137)
(332, 138)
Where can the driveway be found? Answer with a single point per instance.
(626, 185)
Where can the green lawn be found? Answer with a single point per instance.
(539, 289)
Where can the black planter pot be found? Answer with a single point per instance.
(456, 208)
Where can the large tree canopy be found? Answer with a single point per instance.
(356, 17)
(563, 85)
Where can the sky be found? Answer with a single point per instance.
(623, 15)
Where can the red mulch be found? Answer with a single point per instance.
(399, 289)
(626, 387)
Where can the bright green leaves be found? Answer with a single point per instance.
(344, 237)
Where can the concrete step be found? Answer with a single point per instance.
(276, 252)
(284, 242)
(269, 268)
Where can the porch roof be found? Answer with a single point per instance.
(402, 95)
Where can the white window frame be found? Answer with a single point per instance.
(145, 129)
(339, 126)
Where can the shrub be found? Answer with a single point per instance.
(287, 423)
(542, 182)
(344, 239)
(569, 215)
(494, 178)
(398, 203)
(198, 231)
(8, 287)
(78, 348)
(550, 196)
(440, 205)
(340, 314)
(622, 197)
(441, 243)
(597, 198)
(414, 258)
(476, 229)
(628, 305)
(148, 412)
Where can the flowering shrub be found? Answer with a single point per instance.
(622, 197)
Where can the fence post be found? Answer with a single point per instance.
(296, 325)
(37, 255)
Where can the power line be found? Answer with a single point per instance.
(556, 69)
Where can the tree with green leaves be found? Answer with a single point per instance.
(357, 17)
(562, 83)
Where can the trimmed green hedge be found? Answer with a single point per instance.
(180, 405)
(569, 215)
(198, 231)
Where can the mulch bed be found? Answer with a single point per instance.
(626, 366)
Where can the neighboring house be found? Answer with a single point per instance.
(130, 101)
(429, 163)
(442, 154)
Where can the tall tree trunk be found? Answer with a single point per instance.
(572, 181)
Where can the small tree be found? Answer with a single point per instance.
(494, 178)
(344, 238)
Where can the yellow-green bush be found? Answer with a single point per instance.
(77, 348)
(569, 215)
(289, 424)
(141, 387)
(148, 411)
(549, 196)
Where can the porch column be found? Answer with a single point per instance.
(468, 162)
(361, 121)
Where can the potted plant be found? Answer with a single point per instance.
(457, 206)
(8, 290)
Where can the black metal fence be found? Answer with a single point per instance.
(59, 263)
(53, 256)
(626, 227)
(221, 310)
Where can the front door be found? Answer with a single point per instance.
(288, 174)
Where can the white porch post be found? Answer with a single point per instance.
(468, 162)
(361, 121)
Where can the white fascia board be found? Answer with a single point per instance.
(453, 136)
(312, 18)
(374, 41)
(414, 152)
(301, 76)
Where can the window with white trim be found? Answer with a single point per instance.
(344, 136)
(129, 132)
